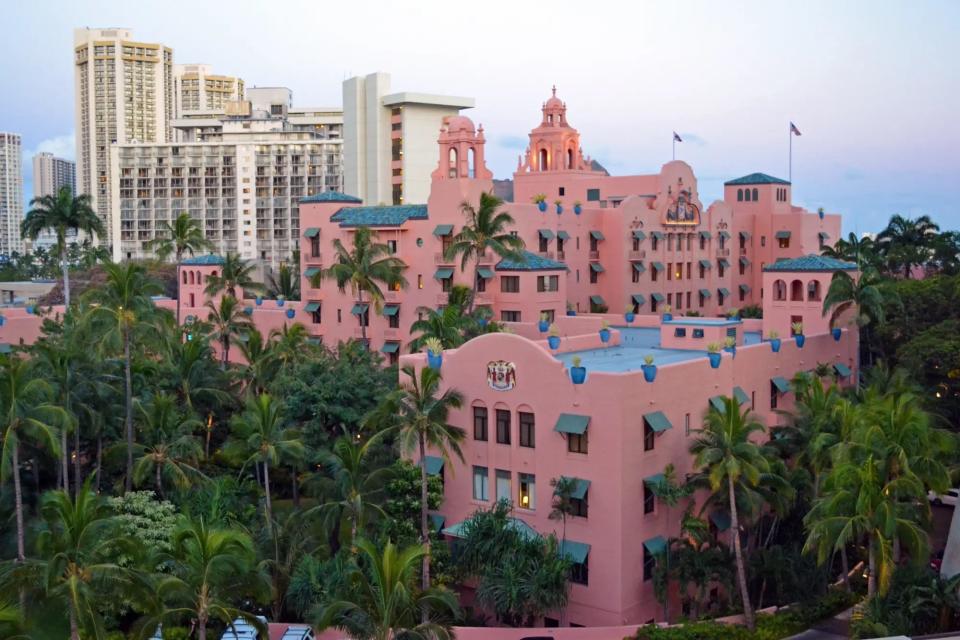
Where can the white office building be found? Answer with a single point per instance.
(11, 193)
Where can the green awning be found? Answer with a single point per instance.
(721, 520)
(390, 347)
(656, 234)
(657, 296)
(655, 546)
(443, 274)
(657, 266)
(576, 551)
(546, 234)
(723, 291)
(824, 235)
(723, 234)
(443, 230)
(745, 235)
(311, 272)
(657, 421)
(745, 261)
(842, 370)
(596, 235)
(782, 235)
(741, 396)
(639, 235)
(705, 235)
(438, 520)
(638, 267)
(359, 308)
(312, 232)
(563, 235)
(706, 264)
(315, 341)
(434, 465)
(391, 309)
(724, 263)
(580, 487)
(596, 267)
(597, 300)
(705, 293)
(312, 307)
(639, 299)
(572, 423)
(745, 288)
(717, 403)
(781, 384)
(655, 479)
(485, 272)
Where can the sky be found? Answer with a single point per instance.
(874, 86)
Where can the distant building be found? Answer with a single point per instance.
(198, 91)
(11, 193)
(390, 139)
(50, 173)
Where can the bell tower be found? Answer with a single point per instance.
(461, 171)
(554, 144)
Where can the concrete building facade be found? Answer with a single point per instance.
(199, 91)
(50, 173)
(11, 193)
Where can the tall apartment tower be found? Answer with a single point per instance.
(390, 139)
(124, 93)
(200, 92)
(50, 173)
(11, 193)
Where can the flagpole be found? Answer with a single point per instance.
(790, 159)
(674, 139)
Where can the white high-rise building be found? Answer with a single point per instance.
(11, 193)
(50, 173)
(390, 139)
(200, 92)
(124, 94)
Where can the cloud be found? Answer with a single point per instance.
(512, 142)
(61, 146)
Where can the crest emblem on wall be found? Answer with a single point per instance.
(682, 210)
(501, 375)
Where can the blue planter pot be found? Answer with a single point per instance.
(667, 317)
(820, 213)
(543, 326)
(291, 313)
(482, 322)
(2, 321)
(559, 209)
(280, 302)
(259, 300)
(578, 374)
(800, 339)
(604, 335)
(731, 350)
(628, 317)
(775, 345)
(542, 206)
(577, 209)
(715, 359)
(836, 333)
(248, 311)
(30, 309)
(554, 342)
(434, 361)
(571, 312)
(649, 372)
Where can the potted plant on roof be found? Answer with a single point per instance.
(291, 312)
(280, 300)
(259, 300)
(3, 319)
(836, 332)
(667, 316)
(604, 332)
(577, 207)
(820, 212)
(571, 310)
(248, 310)
(628, 314)
(798, 336)
(553, 338)
(541, 201)
(774, 341)
(733, 313)
(649, 369)
(577, 373)
(713, 353)
(730, 346)
(544, 324)
(434, 352)
(559, 204)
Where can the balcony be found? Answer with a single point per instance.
(391, 296)
(743, 251)
(438, 258)
(594, 255)
(391, 334)
(561, 255)
(638, 255)
(313, 258)
(723, 253)
(482, 299)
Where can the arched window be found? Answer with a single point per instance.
(813, 290)
(569, 158)
(739, 195)
(192, 276)
(796, 291)
(755, 196)
(780, 290)
(213, 274)
(454, 170)
(746, 195)
(471, 163)
(184, 277)
(543, 159)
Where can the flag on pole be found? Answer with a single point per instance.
(793, 130)
(677, 138)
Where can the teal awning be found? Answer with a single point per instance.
(724, 235)
(596, 267)
(655, 479)
(657, 266)
(546, 234)
(655, 546)
(390, 347)
(745, 261)
(311, 272)
(438, 520)
(434, 465)
(842, 370)
(639, 299)
(723, 291)
(580, 487)
(638, 267)
(705, 293)
(572, 423)
(639, 235)
(597, 300)
(443, 274)
(824, 235)
(705, 264)
(745, 288)
(6, 347)
(782, 235)
(745, 235)
(576, 551)
(596, 235)
(359, 308)
(657, 421)
(656, 234)
(312, 232)
(721, 520)
(657, 296)
(563, 235)
(705, 235)
(485, 272)
(717, 403)
(724, 263)
(524, 530)
(312, 307)
(443, 230)
(781, 384)
(741, 396)
(391, 309)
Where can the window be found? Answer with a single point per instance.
(670, 242)
(548, 283)
(686, 424)
(527, 429)
(653, 274)
(743, 294)
(779, 290)
(703, 271)
(316, 317)
(720, 268)
(654, 242)
(503, 486)
(763, 241)
(579, 571)
(503, 426)
(480, 423)
(510, 316)
(528, 491)
(580, 506)
(649, 563)
(689, 270)
(739, 195)
(784, 243)
(688, 299)
(680, 332)
(394, 321)
(649, 436)
(756, 195)
(774, 396)
(392, 246)
(703, 243)
(577, 443)
(634, 274)
(510, 284)
(563, 191)
(636, 244)
(813, 290)
(669, 271)
(544, 245)
(481, 484)
(419, 281)
(743, 268)
(339, 316)
(481, 285)
(446, 284)
(593, 195)
(796, 291)
(698, 333)
(649, 499)
(594, 246)
(315, 246)
(594, 276)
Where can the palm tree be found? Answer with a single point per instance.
(261, 431)
(419, 412)
(293, 539)
(906, 243)
(725, 455)
(28, 417)
(669, 492)
(61, 213)
(486, 228)
(285, 282)
(859, 250)
(365, 268)
(446, 325)
(235, 272)
(862, 295)
(123, 304)
(172, 449)
(195, 377)
(289, 346)
(229, 321)
(56, 361)
(183, 237)
(562, 506)
(382, 603)
(261, 365)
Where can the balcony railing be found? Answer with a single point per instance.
(438, 258)
(391, 334)
(561, 256)
(391, 296)
(723, 253)
(638, 255)
(594, 255)
(743, 251)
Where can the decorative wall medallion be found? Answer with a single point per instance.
(501, 375)
(682, 210)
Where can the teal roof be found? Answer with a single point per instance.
(811, 262)
(330, 196)
(202, 260)
(484, 272)
(577, 552)
(638, 299)
(756, 178)
(388, 216)
(530, 262)
(443, 230)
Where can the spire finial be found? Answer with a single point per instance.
(554, 89)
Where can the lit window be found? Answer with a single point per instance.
(527, 495)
